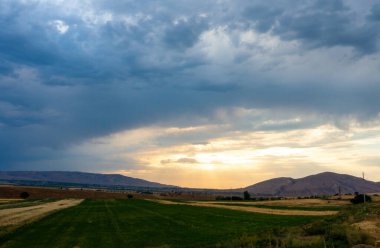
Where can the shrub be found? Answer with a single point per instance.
(236, 198)
(355, 236)
(317, 228)
(24, 195)
(222, 198)
(130, 196)
(359, 198)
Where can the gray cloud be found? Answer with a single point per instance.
(375, 13)
(318, 24)
(126, 64)
(184, 33)
(180, 161)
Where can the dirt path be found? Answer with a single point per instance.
(16, 216)
(253, 209)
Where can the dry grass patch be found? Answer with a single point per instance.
(252, 209)
(267, 210)
(305, 202)
(372, 227)
(19, 216)
(9, 200)
(288, 203)
(375, 197)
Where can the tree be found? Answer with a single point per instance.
(24, 195)
(247, 196)
(359, 198)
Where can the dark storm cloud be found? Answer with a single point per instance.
(319, 23)
(327, 29)
(68, 76)
(263, 16)
(184, 34)
(375, 13)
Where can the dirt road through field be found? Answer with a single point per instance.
(16, 216)
(253, 209)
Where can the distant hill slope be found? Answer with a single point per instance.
(78, 177)
(326, 183)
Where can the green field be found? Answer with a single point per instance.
(139, 223)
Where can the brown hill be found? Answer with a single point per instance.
(326, 183)
(77, 177)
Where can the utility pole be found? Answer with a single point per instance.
(363, 192)
(340, 193)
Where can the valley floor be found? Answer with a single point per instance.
(143, 223)
(139, 223)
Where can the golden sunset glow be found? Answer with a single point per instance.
(239, 158)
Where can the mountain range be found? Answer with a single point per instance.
(78, 178)
(326, 183)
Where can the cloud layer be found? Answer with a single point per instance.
(76, 71)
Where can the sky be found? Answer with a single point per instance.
(201, 93)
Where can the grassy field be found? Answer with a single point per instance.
(139, 223)
(142, 223)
